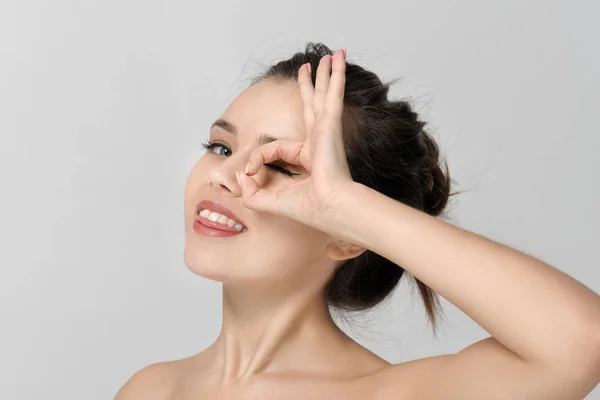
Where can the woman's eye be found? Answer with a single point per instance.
(281, 169)
(210, 146)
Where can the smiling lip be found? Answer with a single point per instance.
(220, 208)
(202, 227)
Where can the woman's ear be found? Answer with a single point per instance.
(341, 250)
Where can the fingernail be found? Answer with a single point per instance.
(237, 176)
(309, 67)
(247, 168)
(344, 53)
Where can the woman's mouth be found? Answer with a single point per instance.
(211, 223)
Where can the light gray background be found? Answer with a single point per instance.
(104, 104)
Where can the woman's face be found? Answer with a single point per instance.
(274, 248)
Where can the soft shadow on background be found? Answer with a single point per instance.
(104, 105)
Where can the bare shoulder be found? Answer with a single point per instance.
(154, 382)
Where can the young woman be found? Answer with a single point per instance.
(317, 191)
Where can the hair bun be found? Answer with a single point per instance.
(435, 180)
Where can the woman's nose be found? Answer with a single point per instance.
(223, 180)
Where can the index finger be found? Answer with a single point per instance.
(285, 150)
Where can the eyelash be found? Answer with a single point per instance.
(210, 146)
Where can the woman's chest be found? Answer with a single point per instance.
(286, 390)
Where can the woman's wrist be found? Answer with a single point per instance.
(342, 219)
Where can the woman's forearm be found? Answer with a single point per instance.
(538, 312)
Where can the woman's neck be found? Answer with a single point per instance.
(273, 331)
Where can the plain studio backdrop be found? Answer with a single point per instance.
(103, 108)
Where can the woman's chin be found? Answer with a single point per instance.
(211, 268)
(204, 267)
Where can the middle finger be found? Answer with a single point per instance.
(307, 92)
(321, 84)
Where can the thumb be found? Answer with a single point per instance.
(255, 197)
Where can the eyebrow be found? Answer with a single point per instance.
(227, 126)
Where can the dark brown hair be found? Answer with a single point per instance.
(388, 150)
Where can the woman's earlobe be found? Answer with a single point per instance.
(341, 250)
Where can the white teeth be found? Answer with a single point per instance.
(214, 216)
(222, 219)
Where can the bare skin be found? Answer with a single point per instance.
(278, 340)
(367, 377)
(356, 379)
